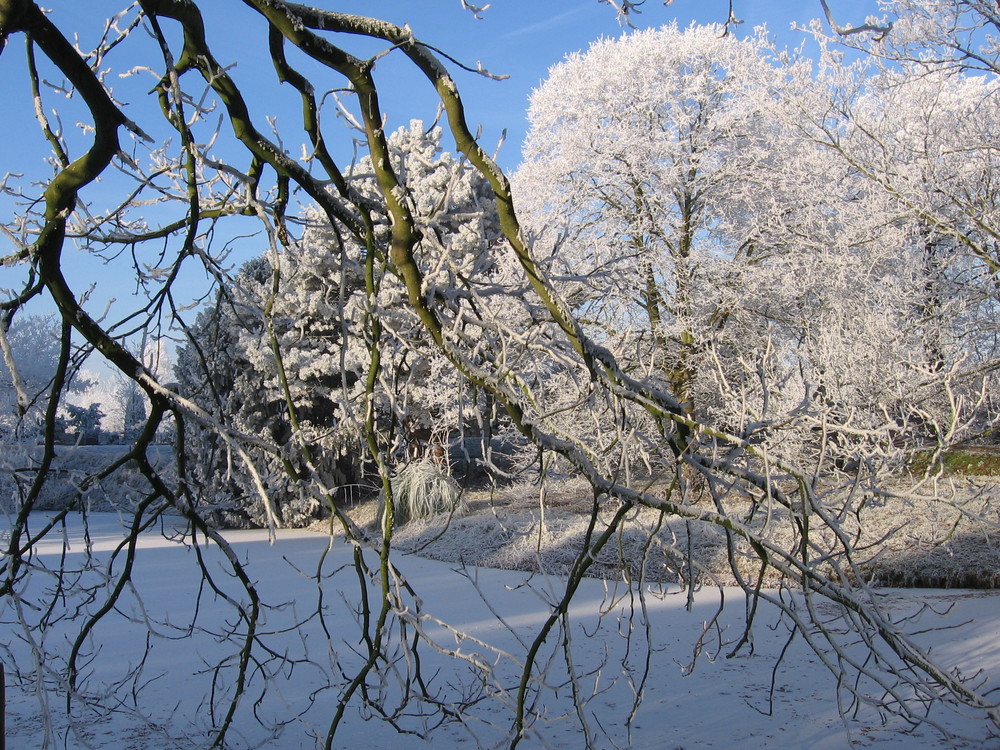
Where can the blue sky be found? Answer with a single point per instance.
(524, 38)
(518, 38)
(521, 39)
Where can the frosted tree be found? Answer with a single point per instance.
(954, 34)
(212, 372)
(132, 406)
(704, 238)
(319, 305)
(919, 142)
(642, 165)
(32, 347)
(309, 304)
(84, 423)
(126, 404)
(99, 393)
(944, 181)
(695, 216)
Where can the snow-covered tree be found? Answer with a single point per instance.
(31, 350)
(919, 143)
(99, 397)
(285, 351)
(212, 371)
(703, 220)
(933, 34)
(132, 404)
(645, 158)
(84, 423)
(698, 232)
(123, 402)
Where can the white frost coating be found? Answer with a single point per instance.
(322, 304)
(787, 281)
(139, 69)
(792, 299)
(15, 380)
(297, 23)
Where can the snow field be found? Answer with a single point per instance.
(158, 693)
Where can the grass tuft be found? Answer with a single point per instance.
(424, 489)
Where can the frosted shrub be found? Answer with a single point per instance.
(69, 484)
(423, 489)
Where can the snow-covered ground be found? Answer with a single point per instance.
(723, 702)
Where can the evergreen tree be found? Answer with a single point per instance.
(309, 303)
